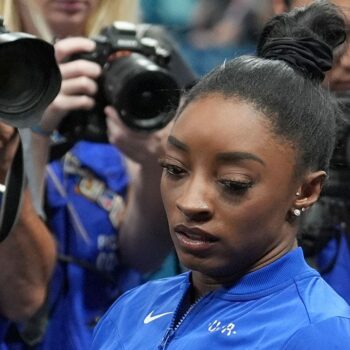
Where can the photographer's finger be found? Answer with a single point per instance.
(6, 132)
(13, 141)
(125, 131)
(69, 46)
(80, 68)
(70, 103)
(112, 114)
(114, 132)
(61, 106)
(79, 86)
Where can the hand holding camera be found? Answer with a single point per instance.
(78, 82)
(134, 80)
(142, 148)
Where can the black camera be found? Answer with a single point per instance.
(135, 80)
(29, 75)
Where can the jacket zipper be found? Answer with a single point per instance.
(173, 328)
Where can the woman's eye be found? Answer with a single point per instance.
(172, 169)
(236, 187)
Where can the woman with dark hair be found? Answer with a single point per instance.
(247, 156)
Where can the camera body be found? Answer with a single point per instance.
(135, 80)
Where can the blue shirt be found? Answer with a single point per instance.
(285, 305)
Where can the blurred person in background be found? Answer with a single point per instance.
(338, 79)
(103, 203)
(216, 30)
(325, 232)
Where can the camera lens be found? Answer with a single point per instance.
(141, 91)
(30, 80)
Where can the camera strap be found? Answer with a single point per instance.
(11, 198)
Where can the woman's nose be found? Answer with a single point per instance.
(195, 202)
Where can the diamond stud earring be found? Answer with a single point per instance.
(296, 212)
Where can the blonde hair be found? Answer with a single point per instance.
(9, 9)
(107, 12)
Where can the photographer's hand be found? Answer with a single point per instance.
(78, 81)
(144, 237)
(143, 148)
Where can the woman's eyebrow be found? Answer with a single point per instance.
(177, 143)
(235, 157)
(227, 157)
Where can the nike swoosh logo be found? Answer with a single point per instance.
(150, 317)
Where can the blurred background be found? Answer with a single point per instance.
(207, 31)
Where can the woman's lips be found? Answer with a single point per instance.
(70, 5)
(194, 238)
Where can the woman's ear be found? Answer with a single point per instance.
(310, 190)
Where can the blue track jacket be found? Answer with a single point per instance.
(285, 305)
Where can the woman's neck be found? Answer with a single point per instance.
(203, 283)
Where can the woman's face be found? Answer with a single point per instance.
(67, 17)
(228, 186)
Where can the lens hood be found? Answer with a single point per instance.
(29, 76)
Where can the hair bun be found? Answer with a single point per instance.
(309, 55)
(305, 38)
